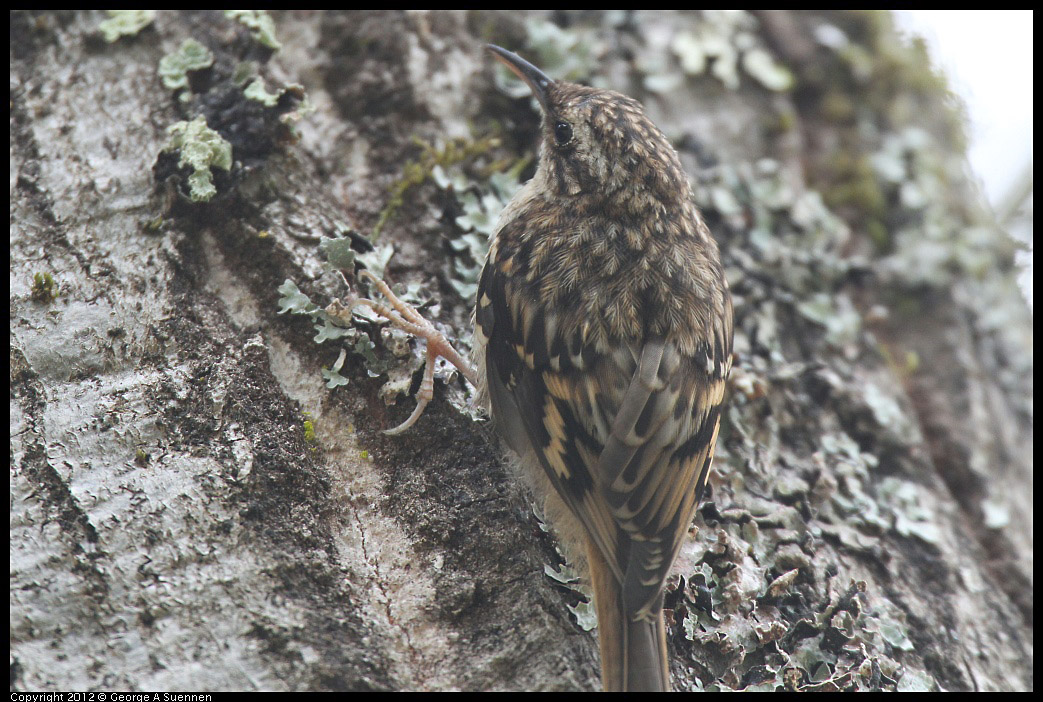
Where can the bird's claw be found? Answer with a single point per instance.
(405, 317)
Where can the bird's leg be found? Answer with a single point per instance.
(404, 316)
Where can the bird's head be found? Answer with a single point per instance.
(597, 141)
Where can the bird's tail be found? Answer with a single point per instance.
(633, 653)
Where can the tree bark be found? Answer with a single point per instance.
(192, 508)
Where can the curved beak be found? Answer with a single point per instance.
(538, 81)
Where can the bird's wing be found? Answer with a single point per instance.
(539, 410)
(625, 434)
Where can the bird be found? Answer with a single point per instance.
(602, 345)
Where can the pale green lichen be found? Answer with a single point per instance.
(793, 234)
(886, 410)
(191, 56)
(759, 65)
(125, 23)
(333, 324)
(916, 681)
(895, 633)
(836, 647)
(482, 202)
(567, 577)
(339, 253)
(256, 91)
(254, 88)
(293, 301)
(586, 615)
(332, 375)
(932, 241)
(418, 171)
(342, 256)
(911, 509)
(260, 24)
(837, 315)
(724, 42)
(201, 149)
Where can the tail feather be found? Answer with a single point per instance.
(646, 663)
(633, 653)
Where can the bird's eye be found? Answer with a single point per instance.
(563, 133)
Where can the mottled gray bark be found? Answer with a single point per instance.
(193, 509)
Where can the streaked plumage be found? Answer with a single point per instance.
(603, 335)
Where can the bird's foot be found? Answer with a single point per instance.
(405, 317)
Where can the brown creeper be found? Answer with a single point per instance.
(603, 340)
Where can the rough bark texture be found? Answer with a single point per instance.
(193, 509)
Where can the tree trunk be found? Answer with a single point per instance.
(194, 507)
